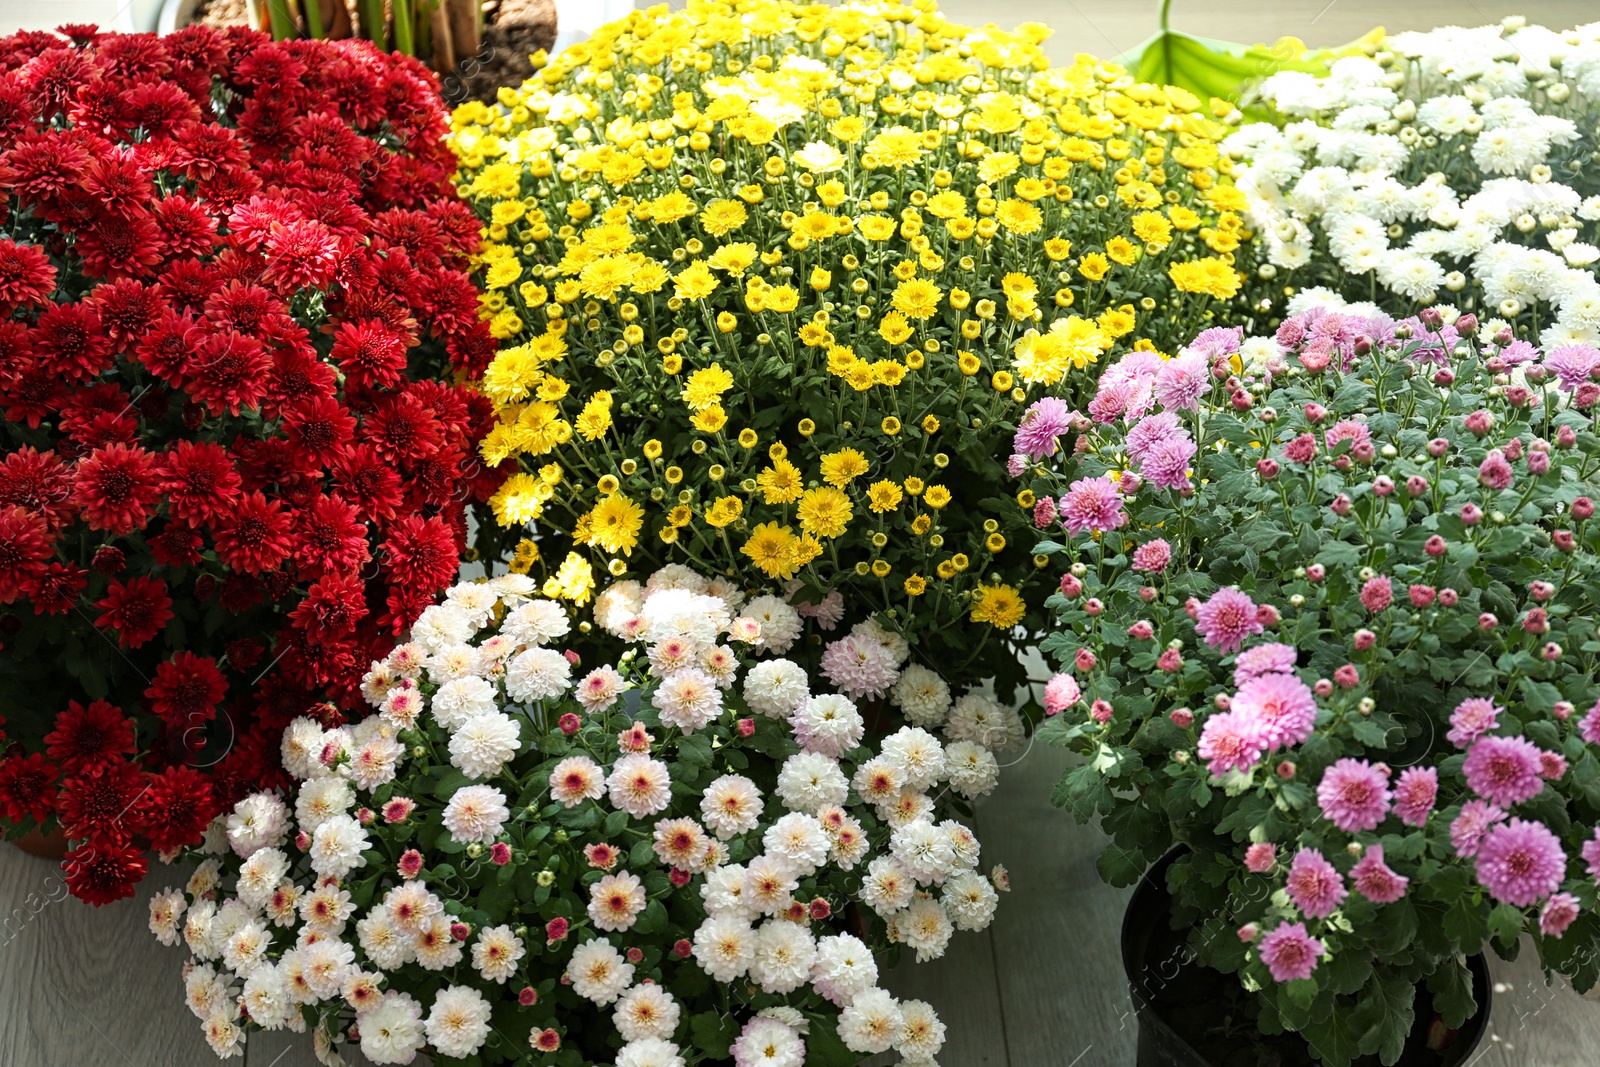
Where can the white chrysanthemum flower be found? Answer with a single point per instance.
(440, 625)
(619, 602)
(676, 576)
(599, 689)
(728, 591)
(598, 972)
(411, 906)
(320, 800)
(392, 1032)
(922, 695)
(451, 662)
(681, 844)
(257, 821)
(300, 747)
(879, 781)
(907, 808)
(784, 954)
(326, 909)
(769, 884)
(769, 1042)
(376, 682)
(166, 910)
(325, 964)
(917, 753)
(829, 724)
(695, 617)
(460, 699)
(408, 659)
(725, 946)
(337, 845)
(850, 844)
(972, 769)
(475, 600)
(798, 840)
(224, 1035)
(926, 928)
(458, 1025)
(259, 876)
(537, 674)
(403, 707)
(576, 779)
(537, 623)
(245, 948)
(721, 664)
(921, 1032)
(197, 930)
(970, 900)
(978, 719)
(266, 997)
(780, 623)
(437, 949)
(639, 785)
(484, 744)
(292, 966)
(650, 1052)
(374, 763)
(646, 1011)
(722, 892)
(888, 887)
(384, 943)
(775, 688)
(809, 780)
(475, 813)
(205, 991)
(872, 1022)
(496, 952)
(924, 849)
(844, 967)
(616, 900)
(894, 643)
(964, 846)
(731, 805)
(688, 699)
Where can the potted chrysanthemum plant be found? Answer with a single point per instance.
(1326, 626)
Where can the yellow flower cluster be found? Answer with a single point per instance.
(774, 281)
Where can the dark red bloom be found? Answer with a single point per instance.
(116, 487)
(329, 536)
(70, 341)
(420, 553)
(100, 801)
(319, 427)
(253, 535)
(227, 372)
(25, 545)
(199, 480)
(102, 871)
(27, 789)
(37, 482)
(54, 590)
(186, 690)
(26, 276)
(86, 737)
(176, 807)
(332, 607)
(370, 354)
(137, 610)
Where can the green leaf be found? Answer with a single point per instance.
(712, 1034)
(1505, 923)
(1451, 986)
(823, 1047)
(695, 750)
(1119, 866)
(653, 919)
(615, 822)
(642, 854)
(1383, 1016)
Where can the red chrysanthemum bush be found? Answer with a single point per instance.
(234, 324)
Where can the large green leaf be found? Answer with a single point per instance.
(1211, 68)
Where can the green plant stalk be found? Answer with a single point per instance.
(314, 19)
(280, 20)
(404, 41)
(372, 23)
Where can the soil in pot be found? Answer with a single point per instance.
(512, 31)
(1193, 1016)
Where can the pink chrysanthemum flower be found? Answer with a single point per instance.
(1152, 557)
(1468, 828)
(1230, 741)
(1261, 857)
(1354, 795)
(1289, 952)
(1092, 505)
(1182, 381)
(1060, 693)
(1521, 863)
(1591, 854)
(1347, 430)
(1473, 717)
(1314, 884)
(1377, 593)
(1282, 706)
(1226, 619)
(1504, 770)
(1415, 793)
(1151, 431)
(1558, 914)
(1271, 658)
(1374, 880)
(1590, 729)
(859, 666)
(1166, 463)
(1045, 421)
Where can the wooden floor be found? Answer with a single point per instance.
(1043, 987)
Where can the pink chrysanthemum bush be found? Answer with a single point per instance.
(684, 855)
(1328, 619)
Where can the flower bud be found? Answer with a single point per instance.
(1286, 770)
(1448, 597)
(1085, 660)
(1383, 485)
(1582, 508)
(1416, 485)
(1267, 468)
(1438, 447)
(1323, 688)
(1552, 651)
(1093, 606)
(1316, 572)
(1435, 546)
(1340, 505)
(1182, 718)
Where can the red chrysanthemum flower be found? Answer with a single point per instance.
(253, 536)
(227, 372)
(26, 276)
(370, 354)
(37, 482)
(332, 607)
(70, 341)
(319, 427)
(128, 309)
(177, 546)
(420, 553)
(100, 801)
(301, 254)
(117, 488)
(401, 428)
(187, 228)
(54, 590)
(27, 789)
(330, 536)
(137, 610)
(86, 737)
(103, 871)
(25, 545)
(199, 481)
(176, 808)
(186, 690)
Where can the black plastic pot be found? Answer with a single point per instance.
(1154, 956)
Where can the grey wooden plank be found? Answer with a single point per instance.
(962, 987)
(1536, 1024)
(82, 985)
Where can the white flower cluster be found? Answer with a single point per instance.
(480, 666)
(1444, 165)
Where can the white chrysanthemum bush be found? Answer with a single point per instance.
(1454, 168)
(683, 856)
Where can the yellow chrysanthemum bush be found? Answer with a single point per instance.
(774, 284)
